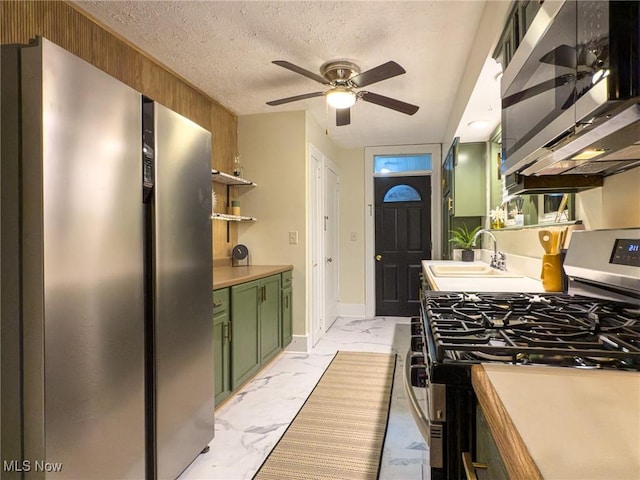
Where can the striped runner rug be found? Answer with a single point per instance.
(339, 431)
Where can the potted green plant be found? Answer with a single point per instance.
(463, 238)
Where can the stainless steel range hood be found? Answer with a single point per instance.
(606, 145)
(570, 98)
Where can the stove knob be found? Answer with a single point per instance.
(419, 376)
(416, 343)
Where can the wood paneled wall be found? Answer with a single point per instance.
(62, 24)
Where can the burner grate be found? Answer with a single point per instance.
(552, 329)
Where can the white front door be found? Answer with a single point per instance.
(330, 226)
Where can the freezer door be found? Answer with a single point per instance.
(82, 270)
(184, 309)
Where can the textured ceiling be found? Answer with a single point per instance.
(225, 48)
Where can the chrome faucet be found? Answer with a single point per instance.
(498, 259)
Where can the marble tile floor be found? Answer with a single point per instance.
(250, 424)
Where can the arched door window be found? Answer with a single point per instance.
(402, 193)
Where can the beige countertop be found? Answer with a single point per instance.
(562, 423)
(230, 276)
(478, 284)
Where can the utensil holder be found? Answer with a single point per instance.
(551, 272)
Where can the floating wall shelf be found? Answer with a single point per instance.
(232, 218)
(230, 181)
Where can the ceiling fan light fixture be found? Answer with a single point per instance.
(341, 97)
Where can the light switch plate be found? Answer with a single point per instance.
(293, 238)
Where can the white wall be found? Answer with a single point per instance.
(614, 205)
(352, 211)
(273, 153)
(274, 150)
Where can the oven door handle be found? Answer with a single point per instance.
(418, 414)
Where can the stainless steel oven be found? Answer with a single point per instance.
(441, 400)
(597, 325)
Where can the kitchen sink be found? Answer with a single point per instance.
(473, 271)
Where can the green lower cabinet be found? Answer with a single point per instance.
(221, 343)
(270, 318)
(245, 321)
(287, 311)
(258, 326)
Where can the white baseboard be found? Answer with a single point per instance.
(299, 343)
(352, 310)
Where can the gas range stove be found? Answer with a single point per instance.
(521, 328)
(596, 324)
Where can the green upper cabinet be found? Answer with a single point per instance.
(470, 180)
(517, 23)
(287, 311)
(269, 318)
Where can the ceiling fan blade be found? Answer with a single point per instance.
(295, 99)
(301, 71)
(343, 116)
(377, 74)
(387, 102)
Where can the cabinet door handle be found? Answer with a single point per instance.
(229, 332)
(470, 467)
(286, 302)
(217, 304)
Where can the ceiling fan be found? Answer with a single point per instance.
(345, 78)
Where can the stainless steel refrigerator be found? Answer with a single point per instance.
(107, 363)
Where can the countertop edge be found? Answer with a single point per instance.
(231, 276)
(514, 452)
(430, 278)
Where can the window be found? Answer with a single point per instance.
(401, 163)
(402, 193)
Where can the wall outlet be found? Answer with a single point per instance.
(293, 238)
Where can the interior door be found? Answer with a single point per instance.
(316, 222)
(331, 188)
(403, 240)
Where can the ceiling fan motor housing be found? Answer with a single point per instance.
(339, 71)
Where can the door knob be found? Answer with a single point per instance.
(329, 259)
(378, 257)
